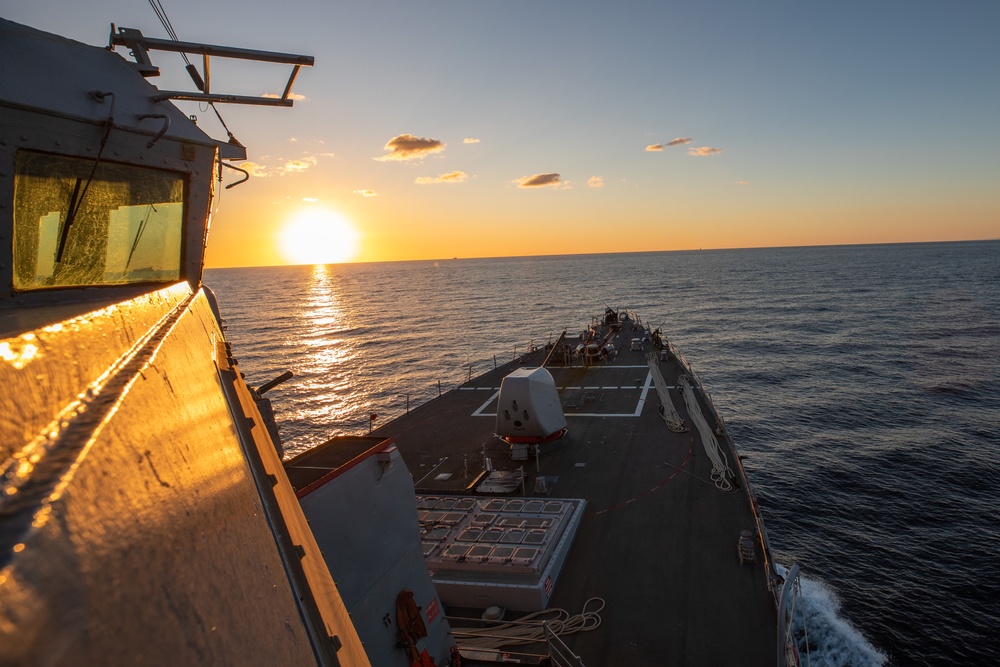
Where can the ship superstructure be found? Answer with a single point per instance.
(145, 517)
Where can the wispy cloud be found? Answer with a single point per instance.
(537, 181)
(595, 182)
(277, 168)
(742, 182)
(366, 193)
(311, 200)
(470, 140)
(409, 147)
(291, 96)
(255, 169)
(298, 166)
(704, 151)
(450, 177)
(656, 148)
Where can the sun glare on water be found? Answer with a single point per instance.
(318, 236)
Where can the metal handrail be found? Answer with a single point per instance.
(559, 654)
(140, 45)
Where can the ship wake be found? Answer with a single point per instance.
(823, 636)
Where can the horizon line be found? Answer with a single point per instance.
(620, 252)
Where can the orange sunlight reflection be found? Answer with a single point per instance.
(318, 236)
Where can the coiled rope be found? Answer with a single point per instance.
(529, 629)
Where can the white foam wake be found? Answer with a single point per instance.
(832, 641)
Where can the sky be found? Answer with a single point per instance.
(480, 128)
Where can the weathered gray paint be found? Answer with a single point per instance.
(365, 521)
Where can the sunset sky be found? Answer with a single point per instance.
(480, 128)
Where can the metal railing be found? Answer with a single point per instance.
(559, 654)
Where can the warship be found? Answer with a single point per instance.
(582, 504)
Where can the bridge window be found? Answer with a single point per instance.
(77, 225)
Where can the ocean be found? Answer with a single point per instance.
(862, 383)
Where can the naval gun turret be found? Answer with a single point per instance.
(529, 412)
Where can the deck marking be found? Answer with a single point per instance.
(480, 413)
(619, 415)
(677, 470)
(436, 466)
(645, 390)
(622, 415)
(597, 367)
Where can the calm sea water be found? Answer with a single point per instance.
(862, 383)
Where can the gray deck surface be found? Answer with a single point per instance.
(659, 540)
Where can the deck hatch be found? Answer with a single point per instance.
(534, 537)
(513, 536)
(436, 534)
(471, 535)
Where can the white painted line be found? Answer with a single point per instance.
(443, 459)
(601, 414)
(602, 367)
(479, 412)
(623, 415)
(638, 408)
(645, 391)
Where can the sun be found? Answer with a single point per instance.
(318, 236)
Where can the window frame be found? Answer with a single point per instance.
(176, 177)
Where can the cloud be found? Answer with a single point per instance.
(254, 169)
(537, 181)
(655, 148)
(298, 166)
(366, 193)
(311, 200)
(450, 177)
(294, 166)
(291, 96)
(742, 182)
(595, 182)
(704, 151)
(409, 147)
(470, 140)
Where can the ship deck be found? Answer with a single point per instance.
(658, 539)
